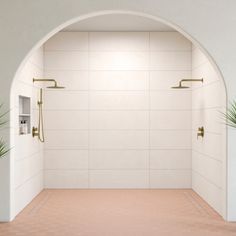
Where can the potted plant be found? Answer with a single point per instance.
(3, 147)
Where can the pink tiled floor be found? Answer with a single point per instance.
(118, 212)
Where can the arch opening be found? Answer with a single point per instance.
(196, 91)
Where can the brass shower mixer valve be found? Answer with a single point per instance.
(200, 132)
(35, 131)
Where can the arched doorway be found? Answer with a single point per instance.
(112, 12)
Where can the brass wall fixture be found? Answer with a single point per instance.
(180, 86)
(39, 131)
(200, 132)
(55, 86)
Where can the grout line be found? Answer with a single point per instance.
(131, 129)
(119, 169)
(125, 110)
(118, 149)
(117, 51)
(89, 85)
(193, 201)
(149, 112)
(115, 70)
(41, 204)
(206, 155)
(30, 156)
(206, 179)
(200, 65)
(30, 178)
(120, 90)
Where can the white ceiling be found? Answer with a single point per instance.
(118, 22)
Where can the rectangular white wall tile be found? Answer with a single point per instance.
(212, 145)
(119, 61)
(170, 60)
(117, 139)
(119, 119)
(167, 79)
(211, 119)
(170, 139)
(66, 139)
(118, 159)
(170, 179)
(70, 79)
(170, 120)
(65, 159)
(170, 159)
(116, 100)
(66, 60)
(207, 72)
(169, 41)
(119, 80)
(198, 58)
(66, 119)
(65, 100)
(118, 179)
(28, 191)
(209, 192)
(210, 168)
(66, 179)
(209, 96)
(67, 41)
(28, 167)
(119, 41)
(171, 100)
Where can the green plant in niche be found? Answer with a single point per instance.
(230, 115)
(3, 147)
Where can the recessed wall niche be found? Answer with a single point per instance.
(24, 115)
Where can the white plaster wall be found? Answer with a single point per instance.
(23, 27)
(118, 124)
(208, 153)
(27, 151)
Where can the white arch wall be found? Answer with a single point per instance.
(208, 153)
(208, 25)
(27, 153)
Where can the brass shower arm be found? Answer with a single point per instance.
(190, 80)
(45, 80)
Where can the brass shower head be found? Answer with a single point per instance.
(55, 86)
(180, 86)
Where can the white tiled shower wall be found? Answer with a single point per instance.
(118, 124)
(27, 152)
(209, 153)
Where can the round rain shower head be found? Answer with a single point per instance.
(180, 87)
(55, 87)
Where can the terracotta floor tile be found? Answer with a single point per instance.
(118, 213)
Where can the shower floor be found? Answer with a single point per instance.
(118, 212)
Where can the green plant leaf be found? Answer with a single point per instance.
(2, 115)
(3, 147)
(230, 115)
